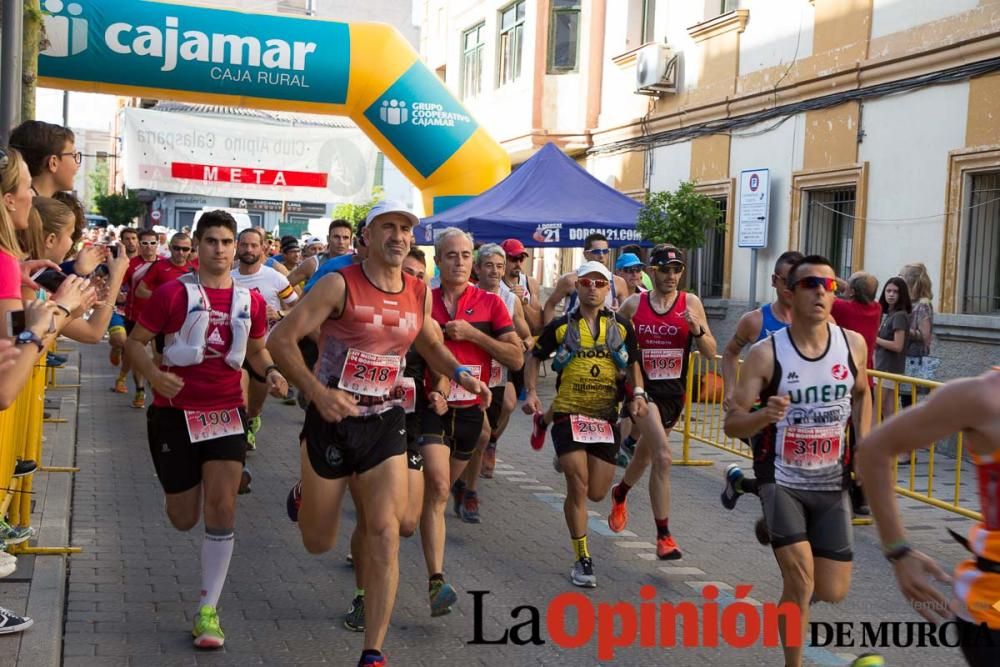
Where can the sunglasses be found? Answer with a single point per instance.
(181, 248)
(599, 251)
(669, 268)
(148, 243)
(518, 259)
(632, 269)
(812, 282)
(592, 282)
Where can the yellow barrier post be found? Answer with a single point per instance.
(686, 459)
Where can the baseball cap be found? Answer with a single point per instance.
(627, 260)
(290, 244)
(513, 248)
(667, 255)
(390, 206)
(312, 240)
(593, 267)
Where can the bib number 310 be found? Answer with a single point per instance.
(812, 448)
(588, 429)
(211, 424)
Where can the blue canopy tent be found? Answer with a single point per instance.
(549, 201)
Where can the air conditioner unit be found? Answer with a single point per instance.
(655, 70)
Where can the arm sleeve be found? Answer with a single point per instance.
(546, 343)
(286, 293)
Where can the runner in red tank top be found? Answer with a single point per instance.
(666, 320)
(137, 269)
(370, 314)
(972, 406)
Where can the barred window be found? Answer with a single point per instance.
(829, 227)
(473, 47)
(981, 246)
(511, 38)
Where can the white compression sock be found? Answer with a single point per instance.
(216, 551)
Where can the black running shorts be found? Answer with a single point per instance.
(980, 644)
(496, 405)
(822, 518)
(459, 428)
(177, 461)
(353, 445)
(562, 438)
(669, 405)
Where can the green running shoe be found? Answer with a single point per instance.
(356, 615)
(207, 632)
(442, 596)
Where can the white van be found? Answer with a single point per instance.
(241, 216)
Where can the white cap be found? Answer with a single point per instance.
(593, 267)
(312, 240)
(390, 206)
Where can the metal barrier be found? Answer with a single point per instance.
(928, 476)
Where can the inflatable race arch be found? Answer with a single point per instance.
(365, 71)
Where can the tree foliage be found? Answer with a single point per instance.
(679, 218)
(119, 209)
(355, 213)
(98, 178)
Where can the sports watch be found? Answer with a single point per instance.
(28, 336)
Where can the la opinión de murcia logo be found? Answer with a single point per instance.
(67, 35)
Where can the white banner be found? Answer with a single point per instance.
(248, 159)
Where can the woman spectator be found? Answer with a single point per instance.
(890, 345)
(919, 363)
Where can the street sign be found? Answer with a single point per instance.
(156, 215)
(755, 201)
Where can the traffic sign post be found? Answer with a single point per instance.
(751, 232)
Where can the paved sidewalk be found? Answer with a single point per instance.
(132, 593)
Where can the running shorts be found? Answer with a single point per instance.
(822, 518)
(177, 461)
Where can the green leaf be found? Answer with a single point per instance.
(680, 218)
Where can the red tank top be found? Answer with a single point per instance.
(663, 343)
(364, 350)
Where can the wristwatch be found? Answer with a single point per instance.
(28, 336)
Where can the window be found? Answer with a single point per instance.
(511, 37)
(981, 246)
(473, 46)
(648, 21)
(829, 227)
(564, 36)
(184, 217)
(726, 6)
(710, 259)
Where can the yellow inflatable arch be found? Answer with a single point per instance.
(366, 71)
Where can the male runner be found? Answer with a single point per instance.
(196, 425)
(339, 239)
(278, 295)
(137, 269)
(631, 269)
(370, 314)
(490, 264)
(666, 321)
(477, 330)
(811, 379)
(971, 406)
(754, 327)
(116, 330)
(595, 249)
(595, 353)
(524, 286)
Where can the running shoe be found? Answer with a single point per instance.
(294, 501)
(24, 467)
(252, 433)
(538, 431)
(457, 492)
(582, 574)
(556, 465)
(11, 535)
(869, 660)
(442, 597)
(55, 360)
(666, 548)
(761, 531)
(115, 356)
(350, 559)
(207, 632)
(858, 503)
(139, 400)
(355, 620)
(469, 511)
(729, 493)
(11, 622)
(8, 563)
(245, 478)
(373, 661)
(290, 399)
(120, 386)
(618, 518)
(489, 461)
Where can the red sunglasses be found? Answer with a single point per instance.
(812, 282)
(593, 282)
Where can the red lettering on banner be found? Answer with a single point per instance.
(247, 175)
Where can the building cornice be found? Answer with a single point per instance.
(734, 21)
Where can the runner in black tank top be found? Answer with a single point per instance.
(810, 377)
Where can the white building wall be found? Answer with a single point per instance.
(671, 166)
(780, 151)
(778, 33)
(907, 140)
(889, 16)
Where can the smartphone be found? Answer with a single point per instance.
(113, 249)
(15, 322)
(50, 279)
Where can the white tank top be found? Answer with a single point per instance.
(809, 442)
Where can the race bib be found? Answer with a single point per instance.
(812, 448)
(663, 364)
(588, 429)
(404, 395)
(369, 374)
(211, 424)
(458, 393)
(498, 374)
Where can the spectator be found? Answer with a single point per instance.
(51, 155)
(890, 353)
(630, 268)
(919, 363)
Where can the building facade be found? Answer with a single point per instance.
(876, 121)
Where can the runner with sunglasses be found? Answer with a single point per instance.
(595, 249)
(596, 352)
(630, 269)
(811, 379)
(138, 267)
(666, 322)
